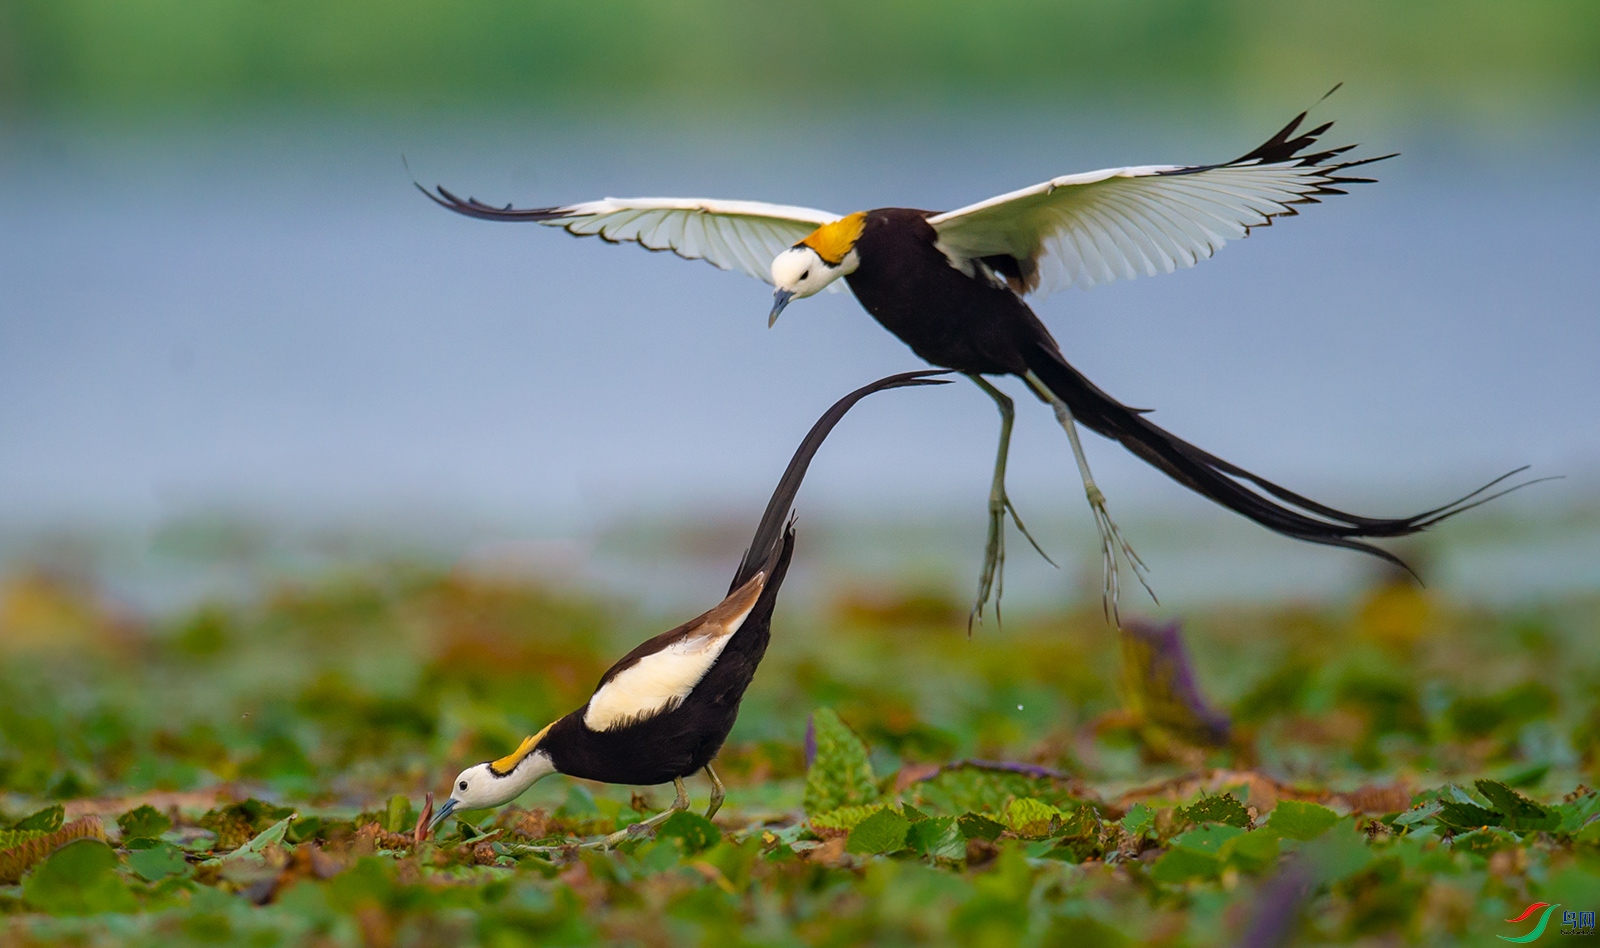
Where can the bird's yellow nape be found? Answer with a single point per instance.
(509, 763)
(833, 240)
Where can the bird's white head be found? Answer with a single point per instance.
(495, 782)
(827, 253)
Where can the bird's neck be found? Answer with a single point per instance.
(529, 771)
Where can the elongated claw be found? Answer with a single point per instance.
(1111, 543)
(636, 830)
(991, 578)
(1111, 539)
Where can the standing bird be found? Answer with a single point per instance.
(662, 712)
(952, 284)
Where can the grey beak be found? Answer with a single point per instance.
(780, 299)
(439, 814)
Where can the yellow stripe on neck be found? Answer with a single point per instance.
(832, 241)
(506, 764)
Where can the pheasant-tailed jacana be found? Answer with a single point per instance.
(662, 712)
(952, 284)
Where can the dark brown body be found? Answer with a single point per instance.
(680, 742)
(946, 317)
(977, 325)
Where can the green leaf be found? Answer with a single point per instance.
(398, 816)
(80, 878)
(271, 836)
(1208, 839)
(1030, 819)
(936, 837)
(1253, 852)
(158, 862)
(1337, 854)
(840, 774)
(844, 818)
(977, 826)
(1138, 820)
(1577, 813)
(692, 831)
(1483, 842)
(882, 832)
(1418, 814)
(1304, 821)
(1466, 814)
(973, 789)
(16, 837)
(1081, 931)
(237, 823)
(1518, 812)
(1179, 865)
(145, 822)
(47, 820)
(1222, 808)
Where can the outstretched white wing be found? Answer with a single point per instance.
(1086, 229)
(732, 235)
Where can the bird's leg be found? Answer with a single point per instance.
(1111, 539)
(636, 830)
(991, 579)
(718, 793)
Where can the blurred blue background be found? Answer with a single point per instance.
(235, 340)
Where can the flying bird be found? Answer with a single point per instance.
(953, 286)
(661, 713)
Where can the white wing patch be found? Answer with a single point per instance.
(732, 235)
(1087, 229)
(660, 681)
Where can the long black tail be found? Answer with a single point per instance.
(1228, 484)
(772, 538)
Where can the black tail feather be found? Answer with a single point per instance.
(1220, 481)
(770, 532)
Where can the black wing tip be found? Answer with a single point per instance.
(472, 207)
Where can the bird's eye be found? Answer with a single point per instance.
(462, 785)
(806, 275)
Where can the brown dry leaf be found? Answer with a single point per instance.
(17, 860)
(1393, 798)
(831, 852)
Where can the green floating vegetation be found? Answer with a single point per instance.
(1379, 784)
